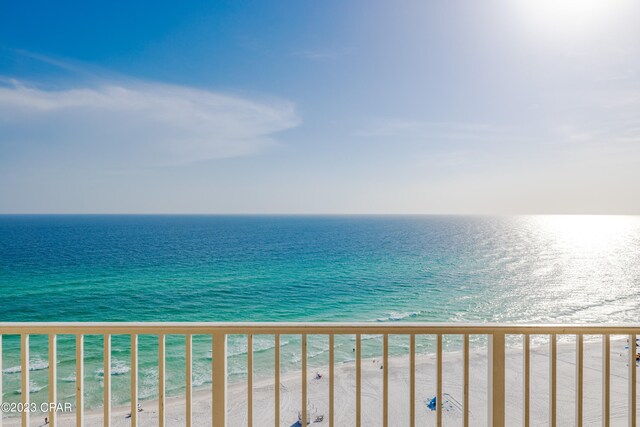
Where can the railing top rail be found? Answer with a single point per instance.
(400, 328)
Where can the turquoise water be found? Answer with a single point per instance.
(305, 268)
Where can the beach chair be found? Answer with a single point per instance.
(449, 404)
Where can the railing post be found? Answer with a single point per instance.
(219, 379)
(53, 369)
(24, 367)
(553, 354)
(579, 378)
(276, 411)
(412, 380)
(162, 418)
(303, 413)
(107, 380)
(189, 382)
(495, 395)
(438, 380)
(465, 384)
(134, 380)
(250, 380)
(1, 378)
(632, 380)
(359, 380)
(526, 380)
(79, 380)
(606, 379)
(331, 379)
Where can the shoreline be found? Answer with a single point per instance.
(372, 385)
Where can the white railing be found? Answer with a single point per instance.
(496, 334)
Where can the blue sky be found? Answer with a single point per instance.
(320, 107)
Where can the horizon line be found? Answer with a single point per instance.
(307, 214)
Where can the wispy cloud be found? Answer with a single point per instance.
(417, 129)
(446, 145)
(148, 124)
(606, 117)
(319, 54)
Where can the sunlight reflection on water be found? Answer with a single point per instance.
(580, 269)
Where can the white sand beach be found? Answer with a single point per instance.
(318, 392)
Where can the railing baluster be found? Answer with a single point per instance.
(553, 343)
(189, 382)
(632, 381)
(579, 378)
(107, 380)
(134, 380)
(79, 380)
(24, 350)
(53, 398)
(606, 380)
(439, 380)
(250, 380)
(1, 379)
(496, 380)
(161, 380)
(526, 375)
(276, 388)
(331, 379)
(303, 413)
(358, 380)
(412, 380)
(385, 376)
(465, 381)
(219, 379)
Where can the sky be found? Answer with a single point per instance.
(317, 107)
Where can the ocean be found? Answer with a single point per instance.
(536, 269)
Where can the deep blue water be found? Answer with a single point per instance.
(302, 268)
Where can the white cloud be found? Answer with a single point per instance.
(141, 124)
(437, 131)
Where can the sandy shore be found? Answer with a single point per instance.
(318, 392)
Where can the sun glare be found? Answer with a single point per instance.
(570, 17)
(588, 234)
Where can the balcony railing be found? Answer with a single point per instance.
(496, 337)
